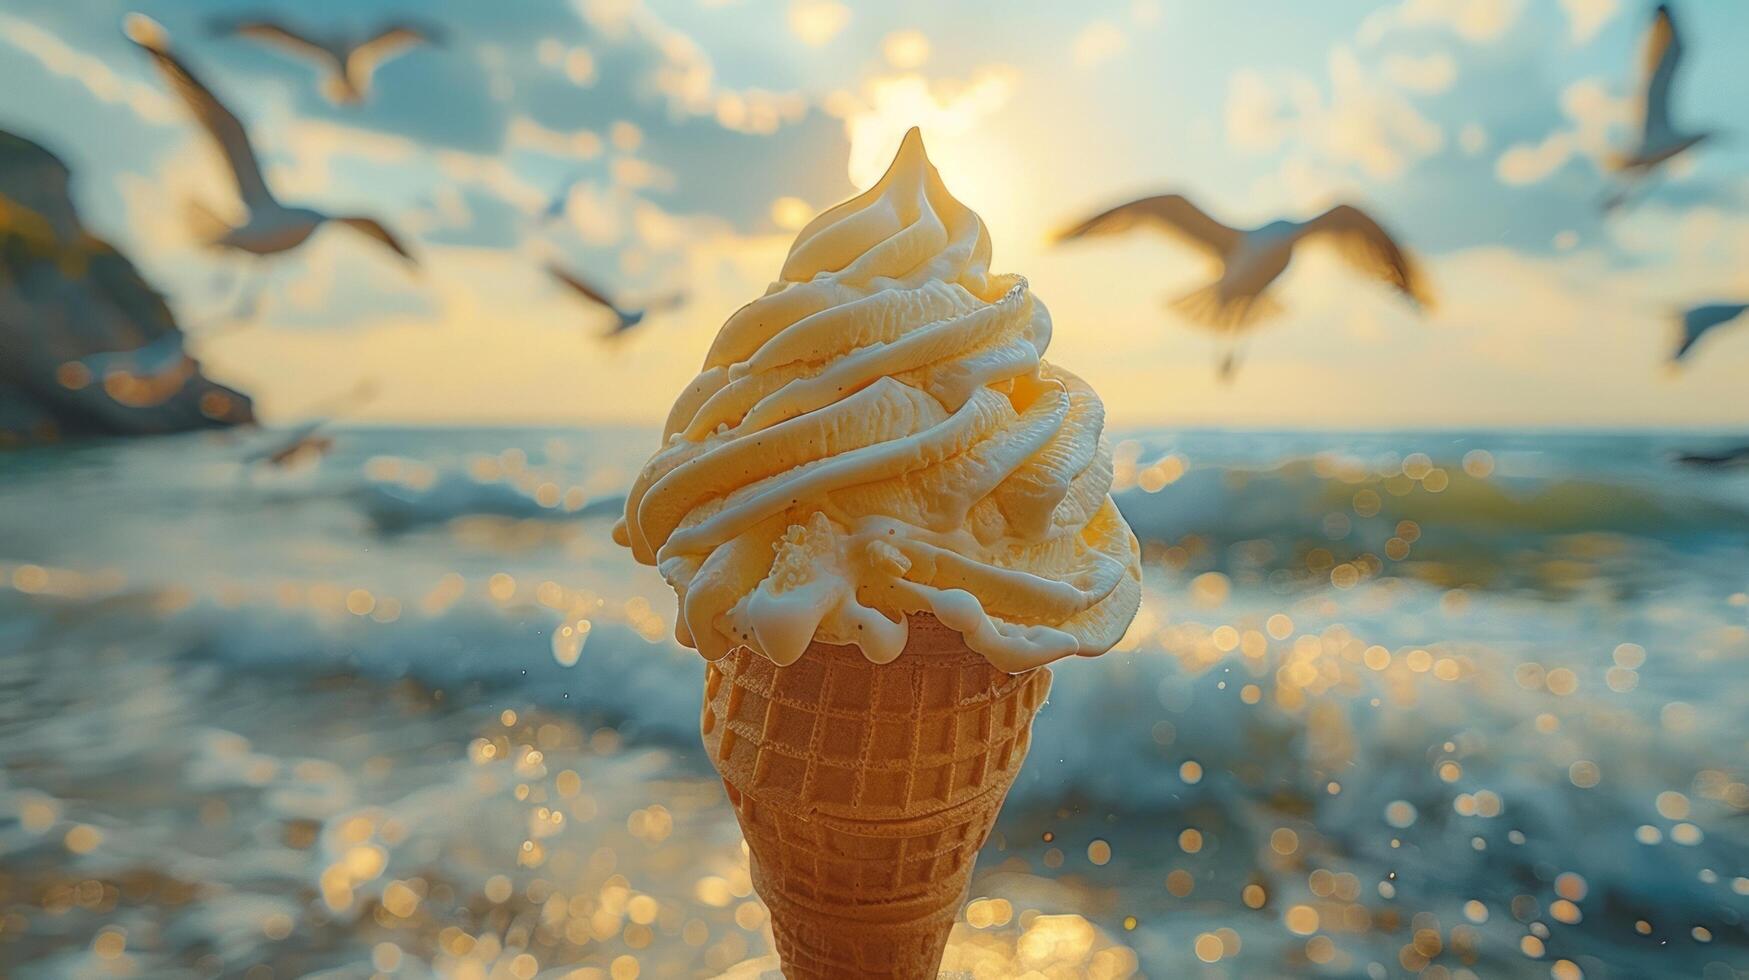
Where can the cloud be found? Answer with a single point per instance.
(816, 22)
(1365, 123)
(1592, 118)
(94, 73)
(1587, 17)
(156, 206)
(876, 118)
(1528, 163)
(1254, 118)
(682, 73)
(1428, 76)
(906, 49)
(494, 175)
(596, 218)
(577, 62)
(1596, 114)
(614, 18)
(314, 146)
(1097, 42)
(758, 111)
(526, 134)
(1477, 21)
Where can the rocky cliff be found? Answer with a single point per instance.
(86, 346)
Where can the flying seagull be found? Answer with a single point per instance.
(1660, 141)
(308, 442)
(1252, 259)
(1695, 322)
(626, 318)
(348, 62)
(271, 227)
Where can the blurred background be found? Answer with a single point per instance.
(1440, 669)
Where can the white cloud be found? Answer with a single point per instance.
(580, 66)
(1430, 75)
(312, 146)
(1254, 113)
(615, 18)
(156, 207)
(1365, 123)
(593, 215)
(757, 111)
(1097, 42)
(1304, 187)
(816, 22)
(906, 49)
(525, 133)
(1528, 163)
(61, 59)
(494, 175)
(683, 74)
(635, 174)
(1596, 114)
(1586, 17)
(1477, 21)
(1593, 117)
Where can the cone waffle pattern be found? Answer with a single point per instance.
(865, 791)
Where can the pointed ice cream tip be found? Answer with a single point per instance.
(911, 156)
(912, 143)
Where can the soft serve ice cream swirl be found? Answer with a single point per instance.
(877, 436)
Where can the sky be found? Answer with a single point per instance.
(689, 139)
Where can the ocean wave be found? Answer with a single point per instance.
(400, 495)
(1292, 500)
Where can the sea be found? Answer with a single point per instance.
(1430, 704)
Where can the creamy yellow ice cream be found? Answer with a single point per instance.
(876, 436)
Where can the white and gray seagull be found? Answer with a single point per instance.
(271, 226)
(1696, 322)
(1660, 140)
(1252, 259)
(348, 62)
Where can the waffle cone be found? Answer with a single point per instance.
(865, 791)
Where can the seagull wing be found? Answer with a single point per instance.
(1368, 247)
(375, 229)
(1171, 213)
(275, 34)
(220, 123)
(1697, 321)
(387, 42)
(582, 288)
(1662, 57)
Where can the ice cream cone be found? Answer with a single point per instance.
(875, 438)
(865, 791)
